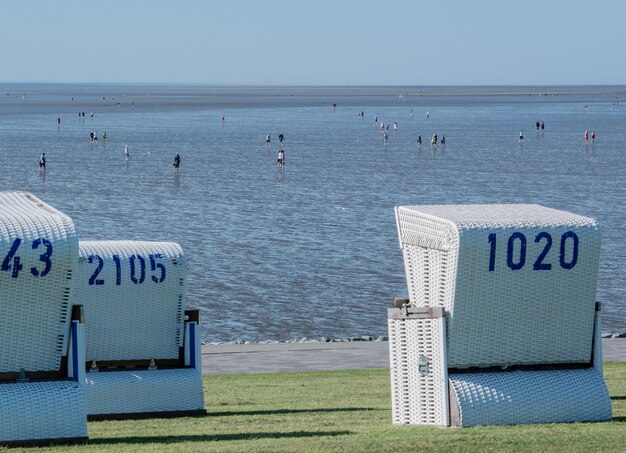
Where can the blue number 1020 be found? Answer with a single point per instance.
(521, 259)
(516, 259)
(492, 252)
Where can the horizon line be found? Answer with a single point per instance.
(290, 85)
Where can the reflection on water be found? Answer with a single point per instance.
(315, 252)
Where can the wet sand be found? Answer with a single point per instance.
(68, 98)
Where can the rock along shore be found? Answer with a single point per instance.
(303, 340)
(345, 340)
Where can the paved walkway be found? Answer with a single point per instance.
(288, 357)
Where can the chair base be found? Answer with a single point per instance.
(144, 393)
(525, 397)
(142, 415)
(45, 442)
(423, 392)
(34, 413)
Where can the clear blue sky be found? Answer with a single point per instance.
(328, 42)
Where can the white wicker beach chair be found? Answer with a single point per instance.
(41, 335)
(142, 347)
(501, 325)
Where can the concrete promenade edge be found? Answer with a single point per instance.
(298, 357)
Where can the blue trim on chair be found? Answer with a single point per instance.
(192, 344)
(75, 350)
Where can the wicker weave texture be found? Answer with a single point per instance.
(399, 371)
(130, 314)
(461, 257)
(42, 410)
(38, 250)
(417, 398)
(129, 392)
(522, 397)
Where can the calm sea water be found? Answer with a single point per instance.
(311, 250)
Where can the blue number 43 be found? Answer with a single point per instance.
(17, 266)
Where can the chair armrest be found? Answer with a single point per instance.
(76, 353)
(192, 344)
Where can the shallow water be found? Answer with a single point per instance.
(310, 250)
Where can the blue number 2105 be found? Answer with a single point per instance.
(516, 251)
(137, 269)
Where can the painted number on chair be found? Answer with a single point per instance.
(516, 251)
(12, 261)
(138, 269)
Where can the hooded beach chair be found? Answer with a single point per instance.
(501, 325)
(41, 335)
(142, 347)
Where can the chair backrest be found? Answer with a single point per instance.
(134, 298)
(518, 282)
(38, 258)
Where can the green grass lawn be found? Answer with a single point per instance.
(339, 411)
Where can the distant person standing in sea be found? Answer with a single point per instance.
(521, 136)
(58, 120)
(586, 136)
(419, 140)
(281, 158)
(176, 163)
(268, 141)
(443, 140)
(385, 139)
(42, 161)
(427, 115)
(126, 155)
(593, 136)
(537, 125)
(542, 125)
(280, 138)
